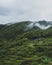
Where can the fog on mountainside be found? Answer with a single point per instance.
(40, 24)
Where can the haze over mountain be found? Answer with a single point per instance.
(40, 24)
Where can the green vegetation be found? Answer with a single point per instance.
(20, 47)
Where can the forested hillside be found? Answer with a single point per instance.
(24, 45)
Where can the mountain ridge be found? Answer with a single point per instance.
(12, 31)
(38, 24)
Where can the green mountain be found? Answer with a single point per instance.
(26, 43)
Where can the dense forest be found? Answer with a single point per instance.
(23, 45)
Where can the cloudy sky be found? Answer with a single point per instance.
(20, 10)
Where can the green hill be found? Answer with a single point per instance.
(22, 46)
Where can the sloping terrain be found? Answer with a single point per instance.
(25, 44)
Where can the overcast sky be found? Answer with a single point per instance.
(20, 10)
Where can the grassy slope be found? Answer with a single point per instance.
(17, 47)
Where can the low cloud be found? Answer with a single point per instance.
(4, 11)
(19, 10)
